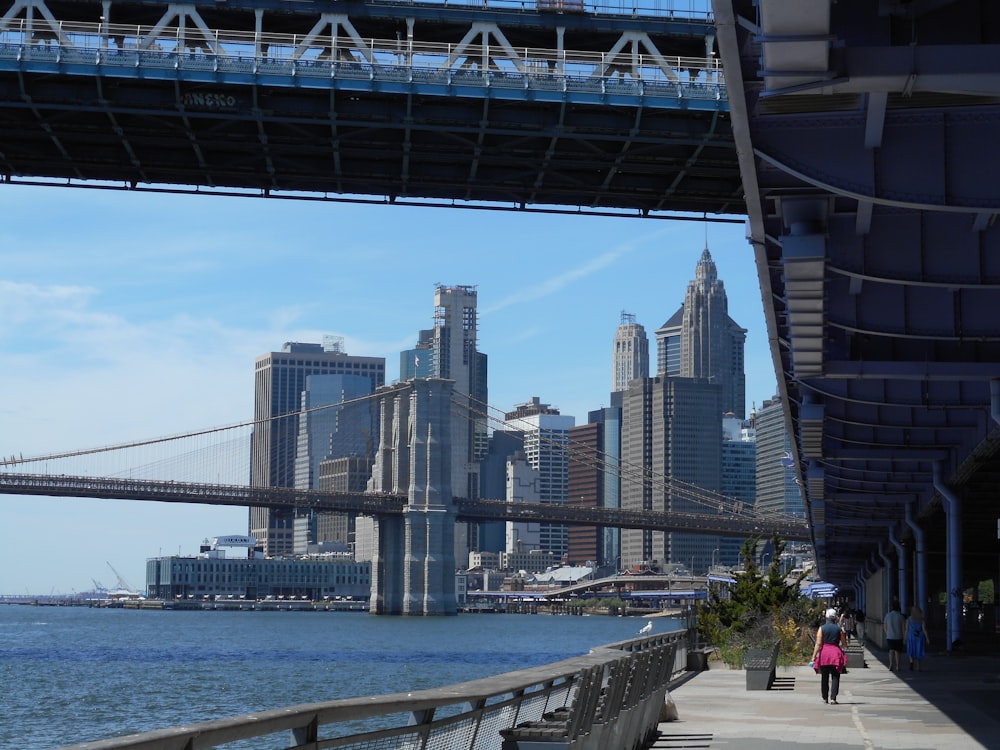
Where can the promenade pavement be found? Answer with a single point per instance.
(952, 704)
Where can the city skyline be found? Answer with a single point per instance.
(148, 325)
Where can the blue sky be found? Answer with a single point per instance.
(130, 315)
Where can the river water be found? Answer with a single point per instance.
(74, 674)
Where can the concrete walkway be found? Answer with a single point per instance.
(953, 704)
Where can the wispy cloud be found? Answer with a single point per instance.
(22, 303)
(566, 279)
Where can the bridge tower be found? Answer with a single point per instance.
(413, 567)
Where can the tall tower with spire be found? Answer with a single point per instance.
(672, 423)
(631, 357)
(700, 340)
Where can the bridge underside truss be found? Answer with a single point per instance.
(867, 132)
(395, 103)
(366, 143)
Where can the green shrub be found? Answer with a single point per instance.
(758, 610)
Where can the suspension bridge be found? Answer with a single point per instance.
(210, 466)
(408, 488)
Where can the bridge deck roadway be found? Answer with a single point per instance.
(386, 102)
(950, 704)
(388, 505)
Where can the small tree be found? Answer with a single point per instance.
(759, 609)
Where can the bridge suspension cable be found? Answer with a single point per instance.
(626, 471)
(204, 461)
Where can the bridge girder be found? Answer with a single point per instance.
(387, 505)
(526, 110)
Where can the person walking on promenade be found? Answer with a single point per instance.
(828, 656)
(847, 622)
(859, 621)
(916, 637)
(893, 626)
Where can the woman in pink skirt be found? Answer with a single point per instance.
(828, 657)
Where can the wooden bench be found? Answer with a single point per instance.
(760, 665)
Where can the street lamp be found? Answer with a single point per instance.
(715, 553)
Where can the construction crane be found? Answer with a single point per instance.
(122, 585)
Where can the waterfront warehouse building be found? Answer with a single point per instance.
(216, 576)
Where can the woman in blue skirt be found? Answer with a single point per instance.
(916, 637)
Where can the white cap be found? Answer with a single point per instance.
(831, 613)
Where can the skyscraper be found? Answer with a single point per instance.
(279, 381)
(335, 422)
(584, 490)
(595, 481)
(490, 536)
(448, 350)
(672, 424)
(546, 439)
(777, 492)
(631, 357)
(700, 340)
(739, 453)
(523, 486)
(671, 461)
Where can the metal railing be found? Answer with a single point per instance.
(89, 48)
(611, 697)
(700, 10)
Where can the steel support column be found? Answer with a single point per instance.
(921, 554)
(904, 568)
(890, 572)
(953, 558)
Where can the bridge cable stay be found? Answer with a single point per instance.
(633, 473)
(238, 448)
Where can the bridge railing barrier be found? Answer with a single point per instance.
(700, 10)
(93, 47)
(609, 698)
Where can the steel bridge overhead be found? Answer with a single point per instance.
(401, 102)
(865, 131)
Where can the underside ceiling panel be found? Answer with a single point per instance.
(895, 190)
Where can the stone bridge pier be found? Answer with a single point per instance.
(413, 570)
